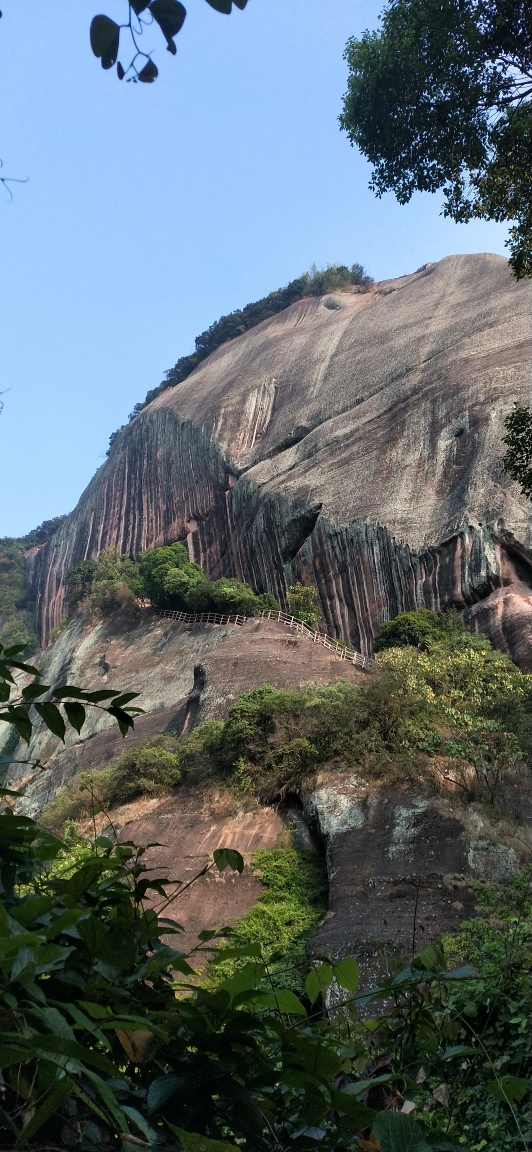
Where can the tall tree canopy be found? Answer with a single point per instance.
(441, 98)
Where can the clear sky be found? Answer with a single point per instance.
(152, 210)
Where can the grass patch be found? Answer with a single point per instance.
(287, 914)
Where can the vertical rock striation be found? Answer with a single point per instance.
(357, 447)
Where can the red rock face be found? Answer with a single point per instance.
(357, 447)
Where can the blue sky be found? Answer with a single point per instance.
(152, 210)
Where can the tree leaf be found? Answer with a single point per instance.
(318, 980)
(105, 39)
(228, 858)
(52, 718)
(124, 721)
(120, 701)
(19, 718)
(459, 1050)
(223, 6)
(60, 1092)
(25, 667)
(347, 973)
(398, 1132)
(281, 1001)
(149, 73)
(358, 1113)
(161, 1089)
(508, 1088)
(120, 71)
(138, 1043)
(76, 714)
(170, 16)
(32, 691)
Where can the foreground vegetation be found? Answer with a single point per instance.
(96, 1049)
(272, 1052)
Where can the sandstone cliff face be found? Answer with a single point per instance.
(401, 861)
(184, 674)
(357, 446)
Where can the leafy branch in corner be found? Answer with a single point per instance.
(105, 34)
(21, 703)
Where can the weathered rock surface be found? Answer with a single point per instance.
(185, 829)
(356, 446)
(401, 861)
(184, 673)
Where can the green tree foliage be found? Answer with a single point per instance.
(440, 98)
(104, 585)
(454, 698)
(517, 461)
(418, 629)
(317, 282)
(97, 1050)
(170, 580)
(17, 600)
(292, 904)
(165, 576)
(302, 604)
(59, 707)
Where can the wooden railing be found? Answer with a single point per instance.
(336, 646)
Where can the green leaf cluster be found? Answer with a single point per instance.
(163, 575)
(17, 598)
(169, 15)
(20, 704)
(517, 461)
(292, 904)
(301, 601)
(97, 1049)
(170, 580)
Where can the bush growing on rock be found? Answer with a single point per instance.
(166, 577)
(104, 585)
(459, 705)
(302, 604)
(149, 769)
(417, 629)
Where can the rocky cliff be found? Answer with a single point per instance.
(353, 440)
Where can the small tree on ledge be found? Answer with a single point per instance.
(302, 604)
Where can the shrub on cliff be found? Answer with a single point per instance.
(149, 769)
(104, 585)
(302, 604)
(458, 704)
(418, 629)
(171, 580)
